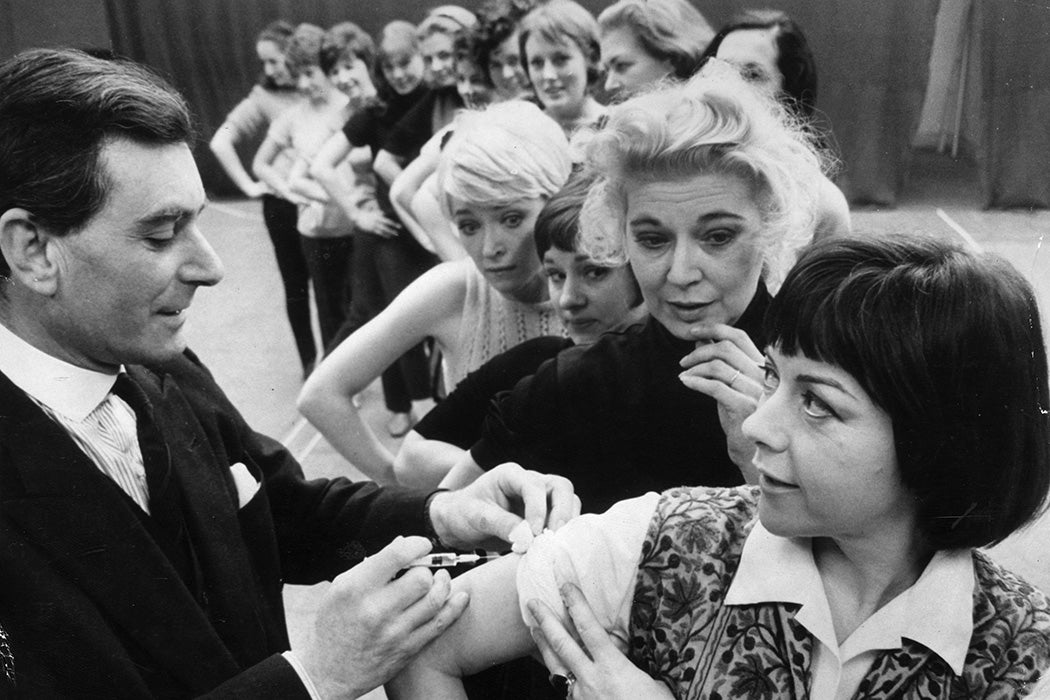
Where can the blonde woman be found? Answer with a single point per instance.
(496, 173)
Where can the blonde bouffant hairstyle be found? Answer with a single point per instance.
(713, 124)
(507, 152)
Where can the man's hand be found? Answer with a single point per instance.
(370, 625)
(484, 513)
(726, 365)
(599, 669)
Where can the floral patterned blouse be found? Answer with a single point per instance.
(682, 632)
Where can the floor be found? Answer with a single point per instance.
(239, 330)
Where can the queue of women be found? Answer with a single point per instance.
(617, 242)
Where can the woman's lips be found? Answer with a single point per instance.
(502, 270)
(689, 311)
(771, 483)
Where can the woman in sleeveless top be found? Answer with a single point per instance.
(496, 172)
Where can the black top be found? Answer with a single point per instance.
(372, 126)
(615, 418)
(458, 418)
(422, 121)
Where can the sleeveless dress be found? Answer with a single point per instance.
(493, 324)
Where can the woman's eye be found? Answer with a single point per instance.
(555, 276)
(770, 378)
(536, 64)
(596, 273)
(719, 237)
(513, 220)
(158, 242)
(815, 407)
(650, 240)
(467, 228)
(754, 75)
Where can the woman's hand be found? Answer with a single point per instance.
(727, 366)
(598, 670)
(374, 221)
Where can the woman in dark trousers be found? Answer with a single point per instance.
(387, 258)
(252, 116)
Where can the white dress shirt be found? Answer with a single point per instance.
(600, 554)
(78, 399)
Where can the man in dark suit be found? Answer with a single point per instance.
(145, 529)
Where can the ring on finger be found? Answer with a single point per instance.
(563, 683)
(733, 380)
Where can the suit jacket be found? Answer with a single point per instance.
(93, 606)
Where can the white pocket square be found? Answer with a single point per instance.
(246, 484)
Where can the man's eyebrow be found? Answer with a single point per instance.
(168, 214)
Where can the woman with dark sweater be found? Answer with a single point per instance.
(707, 190)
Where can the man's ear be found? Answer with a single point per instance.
(29, 251)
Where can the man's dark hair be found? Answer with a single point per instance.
(58, 108)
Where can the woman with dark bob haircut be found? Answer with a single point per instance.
(794, 73)
(903, 424)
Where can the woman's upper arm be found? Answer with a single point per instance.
(432, 300)
(267, 152)
(331, 153)
(386, 166)
(491, 629)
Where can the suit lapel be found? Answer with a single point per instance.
(78, 516)
(211, 514)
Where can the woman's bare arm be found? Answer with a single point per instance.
(223, 147)
(424, 463)
(465, 471)
(489, 631)
(387, 166)
(427, 209)
(430, 306)
(300, 182)
(262, 165)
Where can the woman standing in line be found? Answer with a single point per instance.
(560, 48)
(325, 231)
(275, 93)
(497, 171)
(646, 41)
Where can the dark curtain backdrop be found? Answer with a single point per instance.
(872, 60)
(1014, 149)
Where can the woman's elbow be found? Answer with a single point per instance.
(312, 402)
(319, 171)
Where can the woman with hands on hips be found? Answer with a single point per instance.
(706, 188)
(887, 455)
(497, 171)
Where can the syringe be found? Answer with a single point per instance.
(445, 560)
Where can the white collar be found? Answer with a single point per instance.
(936, 611)
(71, 391)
